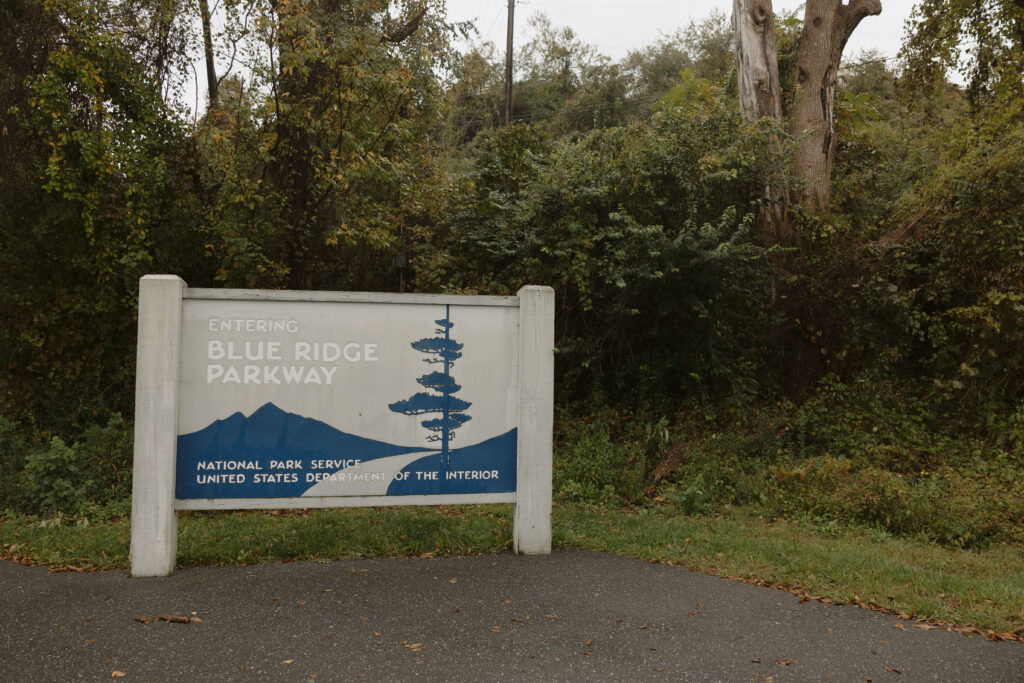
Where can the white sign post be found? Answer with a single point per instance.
(280, 399)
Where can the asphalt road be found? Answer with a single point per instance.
(570, 616)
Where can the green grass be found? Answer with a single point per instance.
(984, 588)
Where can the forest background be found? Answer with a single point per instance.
(866, 372)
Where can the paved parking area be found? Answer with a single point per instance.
(570, 616)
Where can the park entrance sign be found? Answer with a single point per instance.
(282, 399)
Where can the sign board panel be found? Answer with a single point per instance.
(309, 399)
(271, 399)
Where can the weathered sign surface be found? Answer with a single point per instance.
(250, 399)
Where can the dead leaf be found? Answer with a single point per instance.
(358, 571)
(924, 627)
(756, 661)
(691, 614)
(889, 668)
(587, 653)
(899, 626)
(786, 662)
(118, 674)
(142, 619)
(303, 602)
(287, 661)
(588, 643)
(495, 629)
(452, 580)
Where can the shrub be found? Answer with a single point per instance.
(599, 462)
(643, 233)
(12, 461)
(55, 478)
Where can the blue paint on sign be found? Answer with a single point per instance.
(487, 467)
(443, 350)
(276, 454)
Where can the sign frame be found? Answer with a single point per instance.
(154, 532)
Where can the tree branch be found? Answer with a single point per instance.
(403, 32)
(853, 13)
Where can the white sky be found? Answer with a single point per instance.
(617, 26)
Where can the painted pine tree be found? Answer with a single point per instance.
(444, 350)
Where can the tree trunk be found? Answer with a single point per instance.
(757, 61)
(828, 24)
(757, 76)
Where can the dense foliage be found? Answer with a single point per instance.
(870, 375)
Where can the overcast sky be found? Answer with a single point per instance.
(617, 26)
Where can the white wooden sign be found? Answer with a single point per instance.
(278, 399)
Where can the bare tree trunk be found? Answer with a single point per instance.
(757, 60)
(828, 24)
(757, 76)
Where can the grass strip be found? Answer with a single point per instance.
(980, 588)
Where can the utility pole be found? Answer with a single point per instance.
(211, 70)
(508, 62)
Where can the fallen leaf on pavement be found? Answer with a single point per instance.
(118, 674)
(889, 668)
(786, 662)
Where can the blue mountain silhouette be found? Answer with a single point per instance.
(245, 448)
(269, 434)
